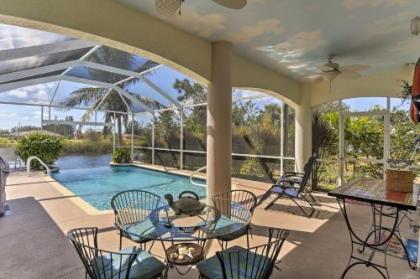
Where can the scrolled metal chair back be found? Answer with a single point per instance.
(239, 205)
(99, 264)
(257, 262)
(133, 206)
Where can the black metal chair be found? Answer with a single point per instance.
(131, 262)
(132, 207)
(252, 263)
(294, 185)
(236, 206)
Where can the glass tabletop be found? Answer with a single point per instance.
(163, 224)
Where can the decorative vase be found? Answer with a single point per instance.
(399, 180)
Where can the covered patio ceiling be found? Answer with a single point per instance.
(295, 36)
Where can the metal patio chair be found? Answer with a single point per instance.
(294, 185)
(236, 206)
(240, 263)
(131, 262)
(132, 207)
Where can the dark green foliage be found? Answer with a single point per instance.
(48, 148)
(121, 156)
(324, 144)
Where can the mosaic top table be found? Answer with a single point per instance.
(385, 205)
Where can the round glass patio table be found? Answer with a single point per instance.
(163, 224)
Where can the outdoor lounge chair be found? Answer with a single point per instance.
(131, 207)
(131, 262)
(240, 263)
(294, 185)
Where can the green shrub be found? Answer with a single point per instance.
(48, 148)
(121, 156)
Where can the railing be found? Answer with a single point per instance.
(28, 164)
(192, 176)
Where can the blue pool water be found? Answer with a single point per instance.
(92, 179)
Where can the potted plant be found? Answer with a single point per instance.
(121, 156)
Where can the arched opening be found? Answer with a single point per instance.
(361, 136)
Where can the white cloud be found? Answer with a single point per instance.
(18, 93)
(16, 37)
(247, 33)
(205, 25)
(356, 4)
(37, 94)
(296, 46)
(387, 25)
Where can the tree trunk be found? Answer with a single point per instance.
(119, 131)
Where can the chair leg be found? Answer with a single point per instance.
(264, 197)
(120, 239)
(151, 246)
(312, 197)
(302, 209)
(222, 244)
(272, 203)
(247, 238)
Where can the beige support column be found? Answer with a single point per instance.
(219, 121)
(303, 131)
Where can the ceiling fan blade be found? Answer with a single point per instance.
(350, 74)
(232, 4)
(354, 68)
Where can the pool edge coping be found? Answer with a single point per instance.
(78, 201)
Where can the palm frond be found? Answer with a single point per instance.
(153, 104)
(83, 97)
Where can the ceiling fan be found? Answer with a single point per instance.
(331, 70)
(171, 7)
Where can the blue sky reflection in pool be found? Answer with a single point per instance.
(98, 185)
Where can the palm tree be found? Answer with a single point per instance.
(108, 99)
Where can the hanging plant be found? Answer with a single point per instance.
(406, 90)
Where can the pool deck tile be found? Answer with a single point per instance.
(34, 244)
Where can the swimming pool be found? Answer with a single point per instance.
(97, 185)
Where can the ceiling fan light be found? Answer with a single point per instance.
(167, 7)
(415, 25)
(330, 76)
